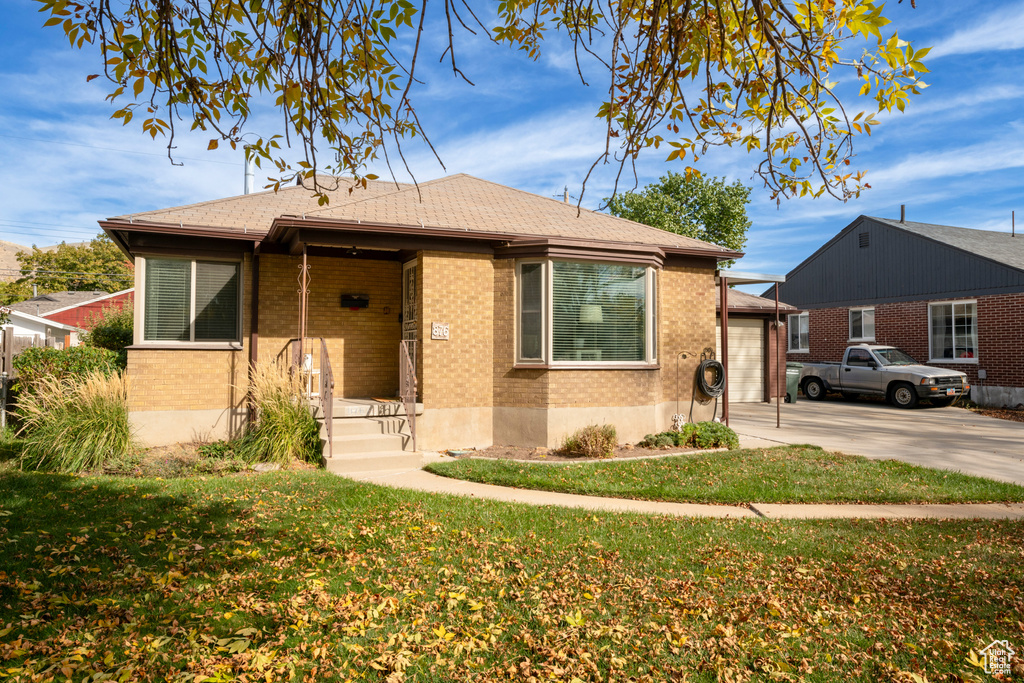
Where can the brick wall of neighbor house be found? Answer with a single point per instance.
(362, 344)
(905, 324)
(457, 289)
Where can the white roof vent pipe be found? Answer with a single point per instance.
(250, 171)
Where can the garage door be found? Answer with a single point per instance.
(746, 359)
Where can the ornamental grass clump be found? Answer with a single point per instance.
(75, 424)
(592, 441)
(282, 428)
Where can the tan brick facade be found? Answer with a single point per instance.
(462, 379)
(456, 289)
(362, 344)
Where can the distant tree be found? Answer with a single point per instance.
(98, 265)
(690, 204)
(14, 291)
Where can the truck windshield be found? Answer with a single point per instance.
(894, 357)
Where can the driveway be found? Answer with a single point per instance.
(944, 438)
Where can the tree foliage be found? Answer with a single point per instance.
(686, 75)
(692, 205)
(98, 265)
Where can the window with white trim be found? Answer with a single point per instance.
(953, 332)
(191, 301)
(799, 332)
(585, 312)
(862, 324)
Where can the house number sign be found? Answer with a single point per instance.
(439, 331)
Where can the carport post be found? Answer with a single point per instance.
(778, 381)
(724, 283)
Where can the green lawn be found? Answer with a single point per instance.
(787, 474)
(308, 575)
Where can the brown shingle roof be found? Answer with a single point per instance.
(44, 303)
(458, 202)
(467, 203)
(253, 213)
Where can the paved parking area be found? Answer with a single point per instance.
(946, 438)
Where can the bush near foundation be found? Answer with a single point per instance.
(593, 441)
(283, 428)
(694, 435)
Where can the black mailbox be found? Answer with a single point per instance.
(355, 301)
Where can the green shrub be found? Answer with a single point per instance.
(75, 424)
(283, 428)
(699, 435)
(113, 330)
(37, 363)
(593, 441)
(216, 449)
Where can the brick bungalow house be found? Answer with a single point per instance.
(530, 318)
(951, 297)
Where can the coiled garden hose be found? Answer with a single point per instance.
(716, 387)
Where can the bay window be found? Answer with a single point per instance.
(191, 301)
(573, 312)
(953, 332)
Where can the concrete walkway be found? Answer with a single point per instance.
(421, 480)
(942, 438)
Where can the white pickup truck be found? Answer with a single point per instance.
(883, 371)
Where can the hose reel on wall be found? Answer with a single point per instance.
(709, 389)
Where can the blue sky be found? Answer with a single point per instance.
(955, 157)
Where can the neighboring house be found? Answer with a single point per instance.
(37, 330)
(531, 318)
(75, 308)
(950, 297)
(754, 345)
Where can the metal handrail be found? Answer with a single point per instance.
(325, 387)
(327, 395)
(407, 384)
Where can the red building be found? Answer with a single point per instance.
(75, 308)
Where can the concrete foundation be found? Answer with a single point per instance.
(438, 429)
(166, 427)
(998, 397)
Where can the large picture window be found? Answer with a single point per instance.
(191, 301)
(954, 332)
(862, 324)
(799, 332)
(573, 312)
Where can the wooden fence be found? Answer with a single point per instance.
(12, 344)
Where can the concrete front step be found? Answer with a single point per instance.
(371, 462)
(365, 425)
(357, 407)
(370, 443)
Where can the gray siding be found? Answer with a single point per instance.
(896, 266)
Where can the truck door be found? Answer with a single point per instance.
(860, 373)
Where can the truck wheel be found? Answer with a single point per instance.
(814, 389)
(903, 395)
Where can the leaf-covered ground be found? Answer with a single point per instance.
(786, 474)
(310, 576)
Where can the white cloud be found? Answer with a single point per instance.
(1001, 30)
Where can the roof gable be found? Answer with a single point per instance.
(880, 260)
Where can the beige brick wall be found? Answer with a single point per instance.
(189, 379)
(175, 379)
(457, 289)
(362, 344)
(512, 388)
(687, 324)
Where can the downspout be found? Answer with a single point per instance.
(724, 283)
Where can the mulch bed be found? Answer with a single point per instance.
(554, 455)
(1013, 414)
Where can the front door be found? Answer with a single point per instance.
(409, 308)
